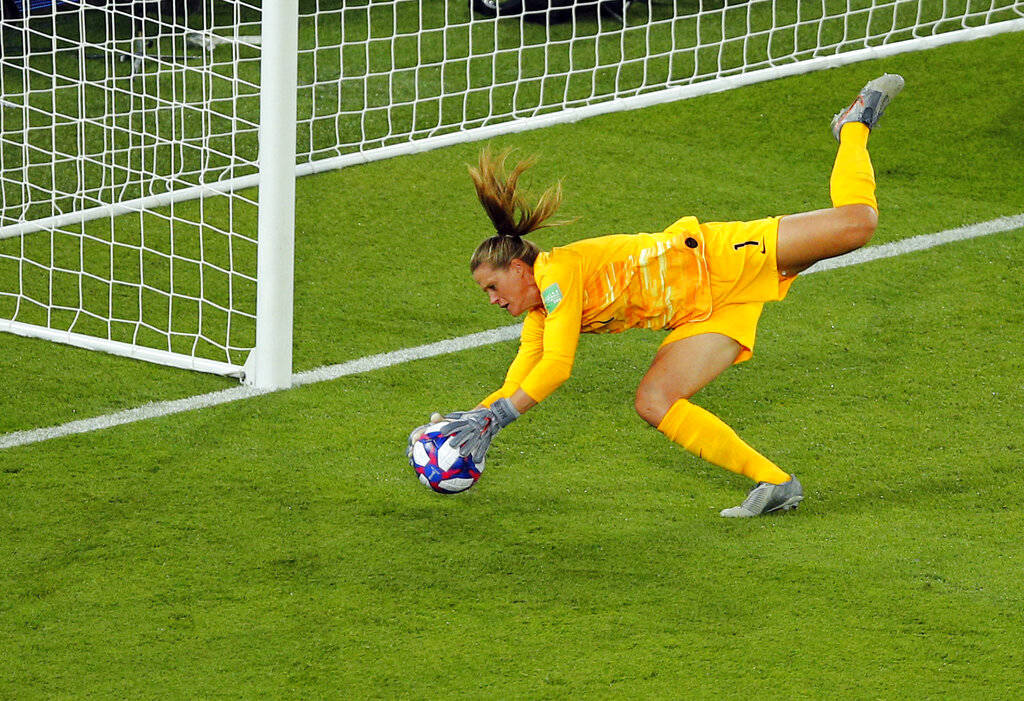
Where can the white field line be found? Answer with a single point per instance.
(454, 345)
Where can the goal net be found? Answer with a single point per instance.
(131, 193)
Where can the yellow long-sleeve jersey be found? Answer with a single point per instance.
(606, 285)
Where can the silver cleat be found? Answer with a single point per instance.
(870, 103)
(765, 498)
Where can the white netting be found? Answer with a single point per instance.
(383, 73)
(101, 108)
(120, 118)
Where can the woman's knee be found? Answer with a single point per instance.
(651, 403)
(860, 223)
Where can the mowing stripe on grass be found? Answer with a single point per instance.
(454, 345)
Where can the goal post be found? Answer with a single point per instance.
(148, 151)
(269, 365)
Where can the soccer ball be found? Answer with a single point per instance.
(439, 464)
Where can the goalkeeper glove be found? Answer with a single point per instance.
(472, 431)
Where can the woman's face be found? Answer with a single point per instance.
(512, 288)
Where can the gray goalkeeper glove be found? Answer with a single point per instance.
(473, 431)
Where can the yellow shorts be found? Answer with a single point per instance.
(744, 274)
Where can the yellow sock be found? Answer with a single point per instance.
(706, 436)
(853, 178)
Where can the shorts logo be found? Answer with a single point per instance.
(552, 295)
(738, 246)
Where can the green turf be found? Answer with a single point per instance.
(281, 547)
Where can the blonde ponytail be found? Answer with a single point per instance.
(507, 206)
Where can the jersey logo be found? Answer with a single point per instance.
(551, 295)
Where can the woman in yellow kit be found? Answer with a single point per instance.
(705, 283)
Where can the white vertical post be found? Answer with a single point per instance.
(270, 363)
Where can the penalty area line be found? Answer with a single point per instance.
(455, 345)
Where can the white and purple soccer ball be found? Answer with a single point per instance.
(439, 464)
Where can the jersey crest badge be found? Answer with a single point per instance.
(551, 295)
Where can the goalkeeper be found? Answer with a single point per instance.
(706, 283)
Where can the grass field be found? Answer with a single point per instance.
(281, 547)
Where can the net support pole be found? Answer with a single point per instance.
(269, 365)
